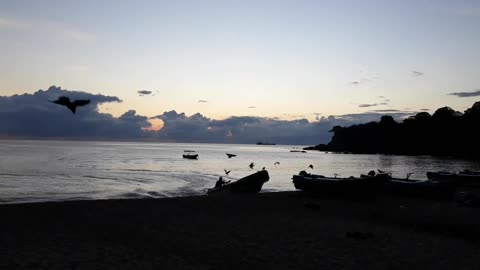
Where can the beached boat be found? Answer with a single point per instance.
(230, 155)
(424, 189)
(249, 184)
(352, 187)
(190, 154)
(463, 178)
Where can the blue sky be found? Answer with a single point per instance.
(284, 59)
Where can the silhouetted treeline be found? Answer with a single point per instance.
(446, 132)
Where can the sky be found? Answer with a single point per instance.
(283, 60)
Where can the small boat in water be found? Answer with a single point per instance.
(190, 154)
(298, 151)
(265, 143)
(351, 187)
(249, 184)
(231, 155)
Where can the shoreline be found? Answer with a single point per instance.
(279, 230)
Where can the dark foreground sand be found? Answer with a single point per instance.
(264, 231)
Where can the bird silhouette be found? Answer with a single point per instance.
(310, 166)
(226, 172)
(276, 163)
(72, 106)
(263, 169)
(231, 155)
(251, 165)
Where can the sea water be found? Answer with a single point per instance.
(32, 171)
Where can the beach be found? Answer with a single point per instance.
(280, 230)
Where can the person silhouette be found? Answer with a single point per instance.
(220, 182)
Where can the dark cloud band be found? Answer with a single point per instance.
(475, 93)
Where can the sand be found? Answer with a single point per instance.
(285, 230)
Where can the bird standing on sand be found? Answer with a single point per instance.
(226, 172)
(310, 166)
(251, 165)
(276, 163)
(72, 106)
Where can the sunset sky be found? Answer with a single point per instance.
(285, 59)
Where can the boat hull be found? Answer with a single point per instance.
(423, 189)
(249, 184)
(190, 156)
(459, 179)
(366, 187)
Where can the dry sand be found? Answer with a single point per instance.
(285, 230)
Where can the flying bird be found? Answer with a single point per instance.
(310, 166)
(276, 163)
(251, 165)
(231, 155)
(72, 106)
(226, 172)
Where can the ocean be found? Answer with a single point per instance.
(35, 171)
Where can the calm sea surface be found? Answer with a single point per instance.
(32, 171)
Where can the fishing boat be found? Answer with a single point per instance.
(230, 155)
(464, 178)
(250, 184)
(265, 143)
(190, 154)
(351, 187)
(424, 189)
(298, 151)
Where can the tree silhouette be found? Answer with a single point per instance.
(446, 132)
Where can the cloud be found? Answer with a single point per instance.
(144, 92)
(179, 127)
(252, 107)
(386, 111)
(202, 101)
(372, 105)
(32, 116)
(425, 110)
(361, 81)
(417, 73)
(474, 93)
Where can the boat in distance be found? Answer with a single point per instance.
(249, 184)
(265, 143)
(190, 154)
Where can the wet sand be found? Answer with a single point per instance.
(285, 230)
